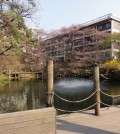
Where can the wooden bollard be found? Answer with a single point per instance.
(49, 81)
(9, 75)
(97, 89)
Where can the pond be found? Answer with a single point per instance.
(77, 89)
(21, 95)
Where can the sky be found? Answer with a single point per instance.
(55, 14)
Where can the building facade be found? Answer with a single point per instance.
(86, 40)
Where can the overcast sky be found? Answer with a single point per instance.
(54, 14)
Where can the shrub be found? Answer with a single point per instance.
(113, 64)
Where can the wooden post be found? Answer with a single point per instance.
(49, 81)
(42, 74)
(97, 89)
(15, 76)
(9, 76)
(37, 76)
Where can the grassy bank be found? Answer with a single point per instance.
(3, 79)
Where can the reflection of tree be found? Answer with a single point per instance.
(12, 97)
(22, 95)
(12, 103)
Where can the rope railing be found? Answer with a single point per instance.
(113, 96)
(76, 110)
(62, 110)
(106, 104)
(81, 110)
(74, 101)
(110, 105)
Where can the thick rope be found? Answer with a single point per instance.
(110, 105)
(74, 101)
(51, 100)
(117, 99)
(62, 110)
(106, 104)
(76, 110)
(109, 95)
(68, 110)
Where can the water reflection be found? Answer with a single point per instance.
(74, 83)
(78, 89)
(31, 94)
(22, 95)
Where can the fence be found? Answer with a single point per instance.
(114, 98)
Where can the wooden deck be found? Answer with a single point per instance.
(39, 121)
(87, 123)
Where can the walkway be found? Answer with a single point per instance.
(87, 123)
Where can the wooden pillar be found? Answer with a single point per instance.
(97, 89)
(49, 81)
(9, 76)
(42, 75)
(15, 76)
(37, 76)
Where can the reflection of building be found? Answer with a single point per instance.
(62, 47)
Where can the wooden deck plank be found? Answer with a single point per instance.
(31, 129)
(42, 121)
(23, 124)
(26, 118)
(82, 123)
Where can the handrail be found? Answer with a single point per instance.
(63, 110)
(74, 101)
(109, 95)
(76, 110)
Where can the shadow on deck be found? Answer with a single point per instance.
(82, 123)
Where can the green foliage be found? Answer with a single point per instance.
(115, 37)
(118, 55)
(111, 70)
(107, 42)
(1, 34)
(33, 40)
(15, 37)
(14, 31)
(3, 79)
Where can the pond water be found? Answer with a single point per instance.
(78, 89)
(24, 95)
(21, 95)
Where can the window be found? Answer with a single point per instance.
(108, 25)
(104, 26)
(100, 27)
